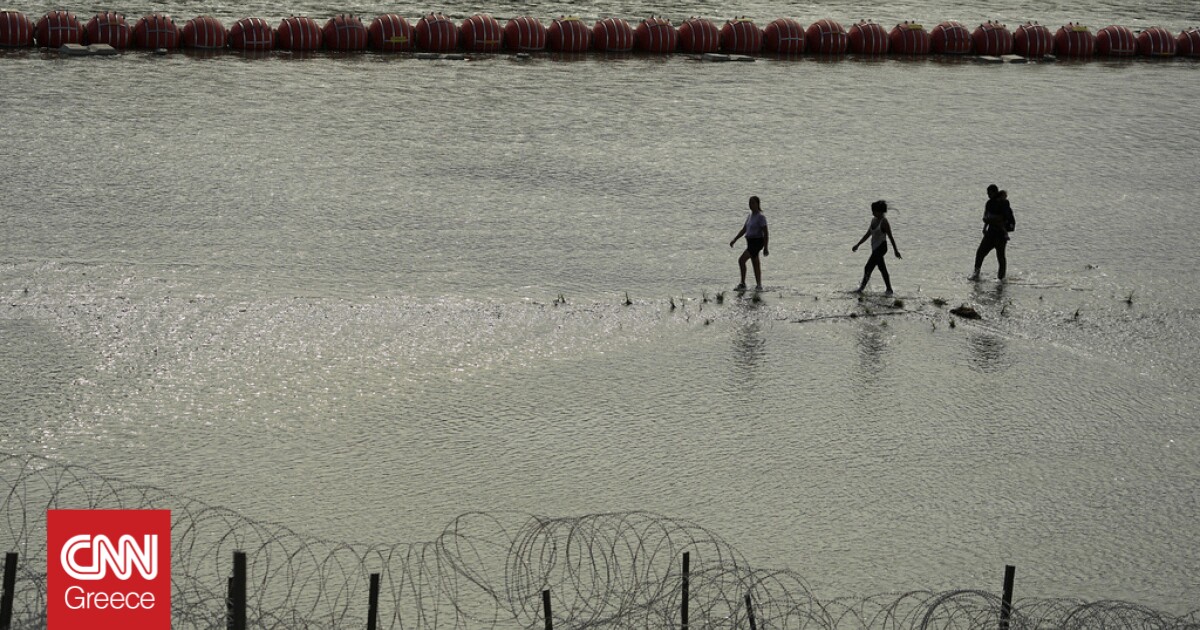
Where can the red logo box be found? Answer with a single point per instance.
(108, 569)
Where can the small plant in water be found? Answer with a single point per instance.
(939, 302)
(672, 304)
(628, 302)
(898, 304)
(1129, 298)
(704, 297)
(721, 297)
(1075, 317)
(560, 300)
(757, 298)
(952, 324)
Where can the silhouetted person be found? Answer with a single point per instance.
(998, 221)
(755, 231)
(880, 232)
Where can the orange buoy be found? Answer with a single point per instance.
(612, 35)
(993, 39)
(1074, 40)
(345, 33)
(868, 38)
(911, 38)
(784, 36)
(827, 37)
(436, 33)
(390, 33)
(1116, 41)
(57, 28)
(699, 36)
(204, 31)
(1188, 43)
(568, 34)
(156, 31)
(107, 28)
(525, 34)
(299, 32)
(253, 34)
(950, 38)
(15, 30)
(741, 36)
(1033, 41)
(655, 35)
(1156, 41)
(481, 33)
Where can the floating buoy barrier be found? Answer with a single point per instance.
(612, 35)
(525, 34)
(390, 33)
(1155, 42)
(16, 31)
(1116, 41)
(868, 38)
(1074, 40)
(1033, 41)
(57, 28)
(827, 37)
(910, 38)
(107, 28)
(568, 35)
(299, 33)
(992, 39)
(655, 35)
(204, 32)
(784, 36)
(345, 33)
(482, 34)
(1188, 43)
(699, 36)
(741, 36)
(156, 31)
(436, 33)
(252, 34)
(950, 38)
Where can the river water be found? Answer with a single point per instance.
(361, 295)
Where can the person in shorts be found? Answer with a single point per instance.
(755, 231)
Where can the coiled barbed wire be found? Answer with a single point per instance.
(613, 571)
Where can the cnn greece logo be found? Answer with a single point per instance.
(109, 569)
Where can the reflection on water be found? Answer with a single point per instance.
(988, 352)
(872, 344)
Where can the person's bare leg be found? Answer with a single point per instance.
(757, 271)
(742, 266)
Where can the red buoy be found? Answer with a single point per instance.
(15, 30)
(204, 31)
(911, 38)
(1188, 43)
(253, 34)
(156, 31)
(741, 36)
(784, 36)
(436, 33)
(568, 34)
(390, 33)
(299, 33)
(950, 38)
(1033, 41)
(827, 37)
(993, 39)
(1116, 41)
(699, 36)
(345, 33)
(1074, 40)
(481, 33)
(57, 28)
(107, 28)
(525, 34)
(868, 38)
(655, 35)
(1156, 41)
(612, 35)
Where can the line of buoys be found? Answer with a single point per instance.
(482, 33)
